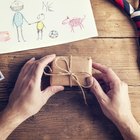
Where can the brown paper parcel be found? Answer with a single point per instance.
(81, 67)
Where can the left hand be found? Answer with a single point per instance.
(27, 98)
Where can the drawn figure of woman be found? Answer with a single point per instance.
(18, 18)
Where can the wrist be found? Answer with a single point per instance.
(9, 121)
(21, 111)
(129, 128)
(14, 115)
(126, 122)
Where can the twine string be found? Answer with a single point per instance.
(68, 72)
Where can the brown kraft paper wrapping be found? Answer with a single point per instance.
(79, 66)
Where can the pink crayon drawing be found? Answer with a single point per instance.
(4, 36)
(74, 22)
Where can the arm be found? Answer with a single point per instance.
(27, 98)
(13, 22)
(25, 19)
(33, 23)
(115, 103)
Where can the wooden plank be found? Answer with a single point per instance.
(65, 116)
(74, 121)
(119, 54)
(111, 22)
(94, 125)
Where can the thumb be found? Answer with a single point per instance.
(51, 90)
(97, 89)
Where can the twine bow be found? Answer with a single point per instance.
(68, 72)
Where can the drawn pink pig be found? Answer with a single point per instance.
(4, 36)
(74, 22)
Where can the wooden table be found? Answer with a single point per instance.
(65, 116)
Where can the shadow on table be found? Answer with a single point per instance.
(97, 117)
(107, 126)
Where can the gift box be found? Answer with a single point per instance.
(70, 71)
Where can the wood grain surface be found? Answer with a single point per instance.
(65, 116)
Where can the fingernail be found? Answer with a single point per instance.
(32, 59)
(89, 80)
(51, 55)
(61, 88)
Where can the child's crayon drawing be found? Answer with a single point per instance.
(18, 18)
(74, 22)
(39, 26)
(4, 36)
(30, 24)
(48, 6)
(53, 34)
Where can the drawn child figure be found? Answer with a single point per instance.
(40, 26)
(18, 18)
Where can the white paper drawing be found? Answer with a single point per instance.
(29, 24)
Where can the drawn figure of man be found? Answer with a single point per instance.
(40, 26)
(18, 18)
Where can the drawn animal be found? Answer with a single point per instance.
(74, 22)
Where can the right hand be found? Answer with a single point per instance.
(115, 103)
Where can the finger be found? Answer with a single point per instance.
(47, 59)
(97, 90)
(41, 64)
(109, 74)
(50, 91)
(29, 61)
(27, 65)
(26, 68)
(100, 67)
(99, 76)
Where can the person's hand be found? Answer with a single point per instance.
(114, 103)
(27, 98)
